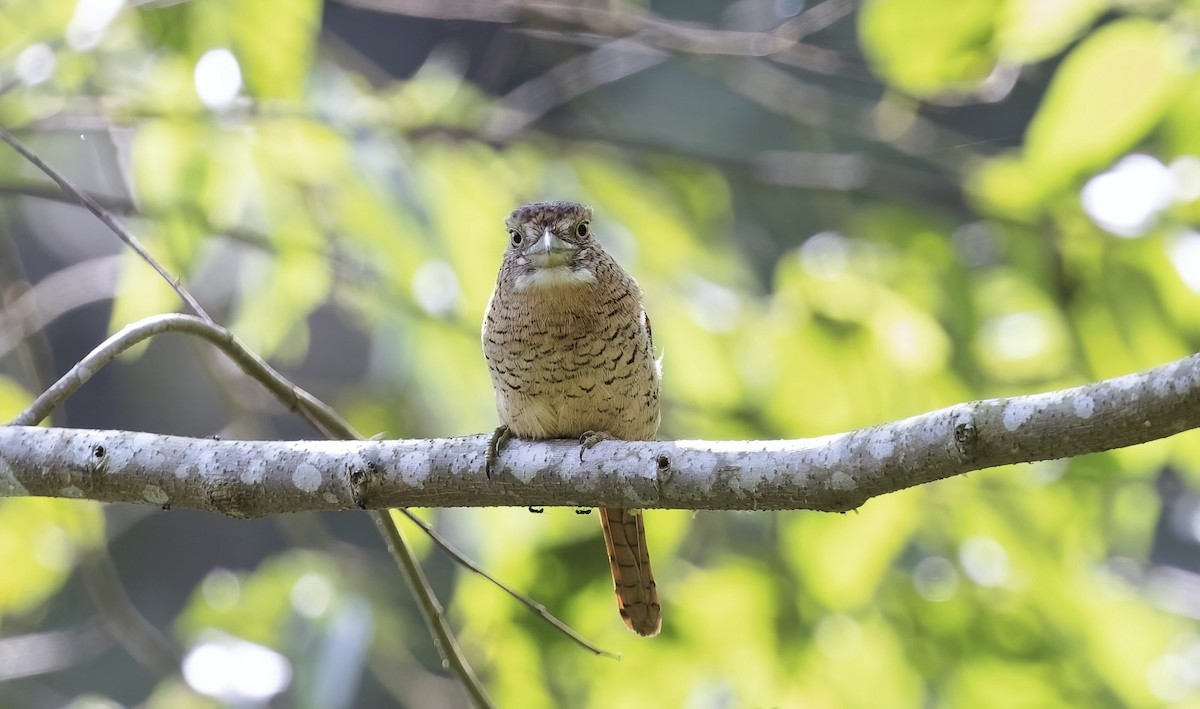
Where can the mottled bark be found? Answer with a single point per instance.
(835, 473)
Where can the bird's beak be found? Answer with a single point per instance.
(550, 251)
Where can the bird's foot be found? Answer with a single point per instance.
(501, 436)
(587, 441)
(590, 439)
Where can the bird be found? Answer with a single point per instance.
(571, 355)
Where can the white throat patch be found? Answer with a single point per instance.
(556, 277)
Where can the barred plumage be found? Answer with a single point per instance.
(570, 351)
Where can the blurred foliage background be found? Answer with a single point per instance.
(841, 215)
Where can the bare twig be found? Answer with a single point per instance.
(296, 399)
(72, 287)
(51, 650)
(121, 619)
(432, 611)
(622, 20)
(315, 412)
(529, 603)
(292, 396)
(106, 218)
(569, 80)
(391, 662)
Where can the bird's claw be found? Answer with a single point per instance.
(590, 439)
(501, 436)
(586, 442)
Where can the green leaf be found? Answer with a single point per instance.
(928, 46)
(13, 398)
(1180, 133)
(843, 559)
(1030, 30)
(279, 294)
(1107, 96)
(274, 41)
(169, 162)
(141, 292)
(40, 540)
(258, 606)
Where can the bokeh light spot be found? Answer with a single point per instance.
(435, 288)
(1128, 198)
(1184, 252)
(935, 579)
(236, 671)
(35, 64)
(90, 19)
(221, 589)
(311, 595)
(984, 561)
(218, 78)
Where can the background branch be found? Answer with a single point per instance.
(107, 218)
(124, 623)
(320, 416)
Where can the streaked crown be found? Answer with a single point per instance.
(561, 218)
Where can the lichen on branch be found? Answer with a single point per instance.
(832, 473)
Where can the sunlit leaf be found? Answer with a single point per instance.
(141, 292)
(40, 542)
(1030, 30)
(1117, 83)
(275, 42)
(280, 294)
(258, 606)
(927, 46)
(832, 553)
(13, 399)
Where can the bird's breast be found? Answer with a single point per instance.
(562, 371)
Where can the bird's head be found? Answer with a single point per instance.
(549, 244)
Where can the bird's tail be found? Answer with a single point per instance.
(629, 561)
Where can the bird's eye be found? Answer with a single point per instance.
(514, 237)
(581, 230)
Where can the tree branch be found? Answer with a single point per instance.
(626, 20)
(107, 219)
(832, 473)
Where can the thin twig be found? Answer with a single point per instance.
(525, 600)
(431, 610)
(292, 396)
(38, 305)
(391, 663)
(326, 420)
(107, 218)
(51, 651)
(623, 20)
(121, 619)
(34, 352)
(320, 416)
